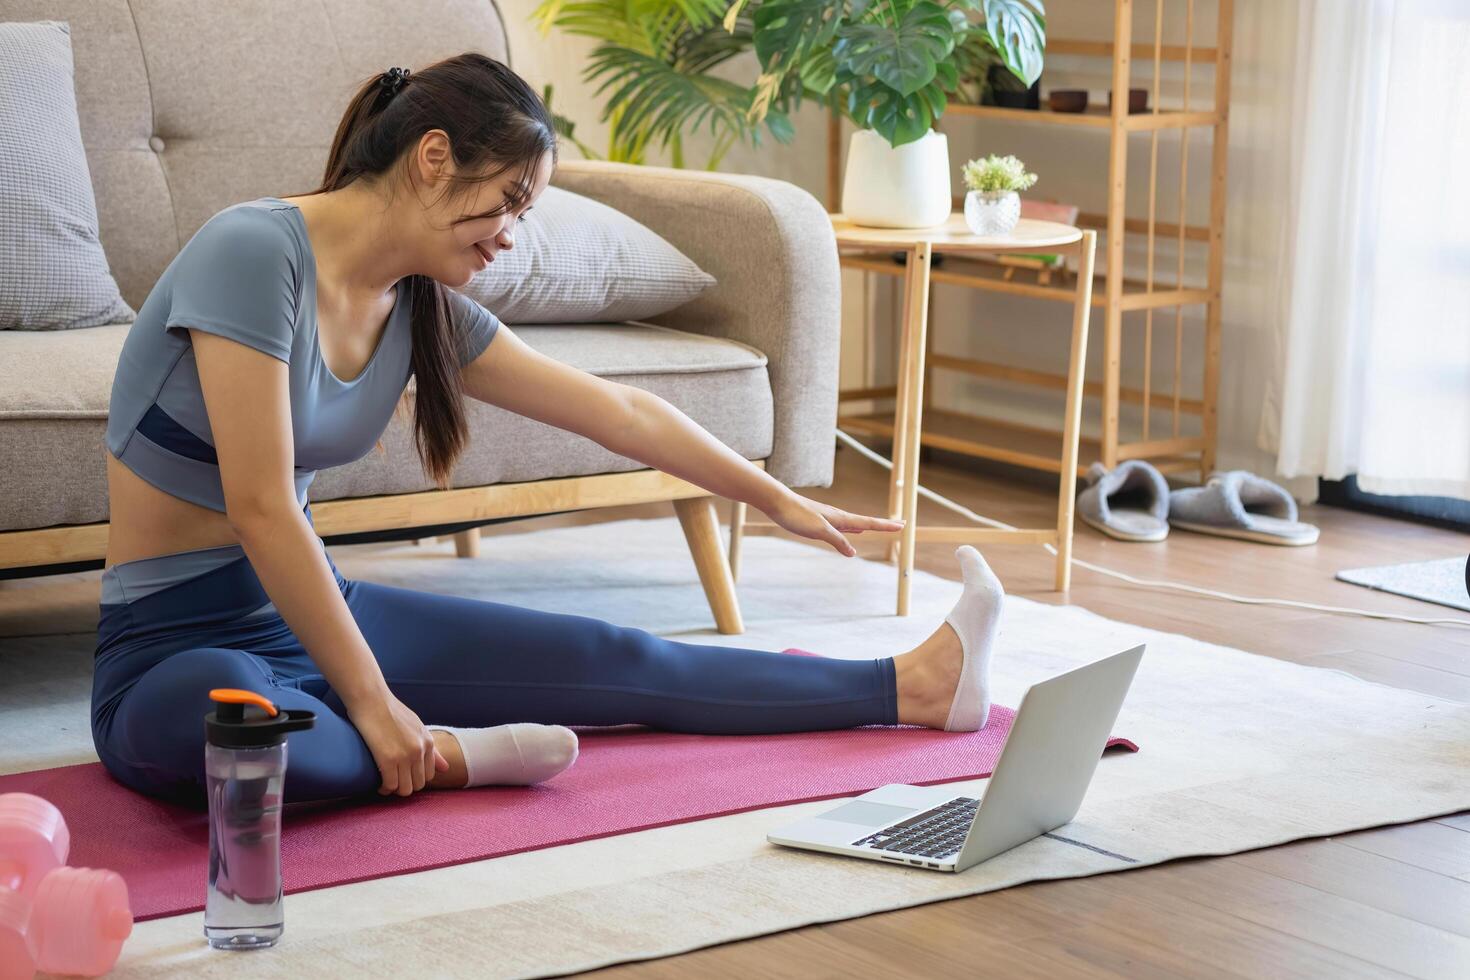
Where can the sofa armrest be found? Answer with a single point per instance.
(769, 244)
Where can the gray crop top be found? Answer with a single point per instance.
(249, 274)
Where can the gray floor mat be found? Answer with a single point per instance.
(1441, 581)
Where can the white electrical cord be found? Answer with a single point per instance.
(1149, 583)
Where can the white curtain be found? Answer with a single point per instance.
(1376, 285)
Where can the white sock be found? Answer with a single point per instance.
(976, 618)
(518, 754)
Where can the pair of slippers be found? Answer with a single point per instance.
(1133, 502)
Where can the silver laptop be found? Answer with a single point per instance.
(1048, 760)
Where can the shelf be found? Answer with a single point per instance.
(1139, 226)
(1041, 379)
(1057, 382)
(1096, 117)
(1004, 442)
(1138, 52)
(1092, 117)
(959, 270)
(1120, 289)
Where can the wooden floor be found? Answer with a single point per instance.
(1388, 902)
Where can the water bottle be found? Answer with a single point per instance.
(245, 771)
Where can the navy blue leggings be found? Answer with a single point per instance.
(452, 660)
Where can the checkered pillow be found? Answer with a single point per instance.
(53, 274)
(577, 260)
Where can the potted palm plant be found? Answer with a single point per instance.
(891, 66)
(655, 62)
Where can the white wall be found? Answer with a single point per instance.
(1072, 164)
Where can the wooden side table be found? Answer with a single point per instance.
(1029, 237)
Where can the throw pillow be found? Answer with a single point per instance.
(576, 260)
(53, 273)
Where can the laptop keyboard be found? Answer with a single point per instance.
(936, 833)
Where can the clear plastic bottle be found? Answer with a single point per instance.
(245, 773)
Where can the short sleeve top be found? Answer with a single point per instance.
(249, 274)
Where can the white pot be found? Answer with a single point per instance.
(896, 187)
(992, 212)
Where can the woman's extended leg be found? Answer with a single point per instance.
(470, 662)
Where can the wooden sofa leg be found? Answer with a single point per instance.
(737, 534)
(467, 543)
(702, 531)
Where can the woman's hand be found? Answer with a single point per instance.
(822, 522)
(401, 745)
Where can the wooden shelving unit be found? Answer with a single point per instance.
(1117, 290)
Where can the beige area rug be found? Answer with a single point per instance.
(1238, 752)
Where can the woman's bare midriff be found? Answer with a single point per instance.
(145, 522)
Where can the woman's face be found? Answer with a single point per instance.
(467, 238)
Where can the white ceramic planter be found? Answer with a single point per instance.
(896, 187)
(992, 212)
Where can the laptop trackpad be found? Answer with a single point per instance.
(867, 814)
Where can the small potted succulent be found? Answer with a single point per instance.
(992, 205)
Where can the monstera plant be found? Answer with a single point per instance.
(894, 63)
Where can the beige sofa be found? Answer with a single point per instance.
(187, 106)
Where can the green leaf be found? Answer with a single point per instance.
(934, 97)
(604, 20)
(697, 51)
(546, 14)
(780, 126)
(785, 30)
(897, 118)
(902, 56)
(696, 13)
(817, 72)
(947, 75)
(1018, 32)
(650, 98)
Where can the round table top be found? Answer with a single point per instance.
(955, 236)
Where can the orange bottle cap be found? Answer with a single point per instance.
(231, 695)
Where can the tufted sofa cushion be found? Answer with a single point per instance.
(52, 422)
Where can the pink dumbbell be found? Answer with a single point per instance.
(58, 919)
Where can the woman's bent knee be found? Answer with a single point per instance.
(153, 740)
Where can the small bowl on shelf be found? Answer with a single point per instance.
(1067, 100)
(1137, 100)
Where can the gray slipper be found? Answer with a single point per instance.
(1239, 504)
(1130, 503)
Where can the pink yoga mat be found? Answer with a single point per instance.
(625, 778)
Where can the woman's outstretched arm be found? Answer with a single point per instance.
(642, 426)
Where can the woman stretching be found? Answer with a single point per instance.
(278, 342)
